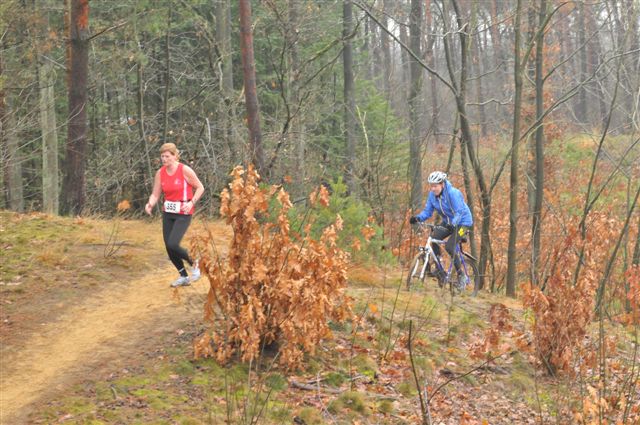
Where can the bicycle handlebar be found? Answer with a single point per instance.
(430, 226)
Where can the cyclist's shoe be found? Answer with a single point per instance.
(181, 281)
(463, 281)
(195, 272)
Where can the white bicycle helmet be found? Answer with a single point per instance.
(437, 177)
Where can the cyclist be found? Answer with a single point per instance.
(456, 215)
(176, 181)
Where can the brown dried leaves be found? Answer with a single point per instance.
(271, 286)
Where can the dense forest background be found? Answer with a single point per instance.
(372, 94)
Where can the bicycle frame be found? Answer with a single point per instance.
(428, 250)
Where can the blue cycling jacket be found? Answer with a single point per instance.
(450, 205)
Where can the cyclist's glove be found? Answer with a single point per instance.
(413, 220)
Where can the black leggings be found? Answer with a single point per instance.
(174, 226)
(441, 233)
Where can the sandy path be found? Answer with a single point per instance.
(106, 329)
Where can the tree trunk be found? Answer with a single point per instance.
(530, 99)
(415, 157)
(632, 76)
(223, 40)
(581, 107)
(430, 56)
(467, 139)
(349, 97)
(141, 125)
(167, 80)
(499, 56)
(468, 188)
(46, 77)
(595, 59)
(482, 114)
(298, 128)
(74, 185)
(513, 190)
(250, 90)
(636, 250)
(536, 223)
(12, 167)
(406, 70)
(387, 64)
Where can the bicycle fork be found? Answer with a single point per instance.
(425, 263)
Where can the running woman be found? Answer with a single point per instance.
(176, 181)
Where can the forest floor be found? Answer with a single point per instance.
(91, 333)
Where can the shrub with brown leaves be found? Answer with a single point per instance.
(500, 323)
(272, 286)
(563, 311)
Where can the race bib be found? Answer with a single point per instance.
(172, 207)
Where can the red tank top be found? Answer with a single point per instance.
(175, 187)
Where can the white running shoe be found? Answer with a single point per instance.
(195, 272)
(181, 281)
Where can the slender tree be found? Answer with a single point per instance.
(12, 161)
(250, 90)
(50, 191)
(223, 43)
(349, 96)
(415, 157)
(298, 127)
(513, 181)
(74, 185)
(581, 106)
(536, 222)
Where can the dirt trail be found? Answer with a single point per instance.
(116, 324)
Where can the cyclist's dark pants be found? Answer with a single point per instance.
(441, 233)
(174, 226)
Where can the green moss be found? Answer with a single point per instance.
(124, 384)
(310, 416)
(201, 380)
(276, 382)
(159, 400)
(163, 374)
(520, 381)
(111, 416)
(424, 363)
(103, 392)
(407, 388)
(185, 368)
(239, 372)
(313, 366)
(78, 406)
(186, 420)
(385, 407)
(471, 380)
(350, 400)
(334, 379)
(365, 365)
(280, 414)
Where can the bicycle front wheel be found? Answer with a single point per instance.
(416, 267)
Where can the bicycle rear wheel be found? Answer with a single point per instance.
(416, 267)
(472, 272)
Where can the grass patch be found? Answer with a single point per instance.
(365, 365)
(334, 379)
(349, 400)
(310, 416)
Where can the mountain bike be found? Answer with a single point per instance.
(427, 263)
